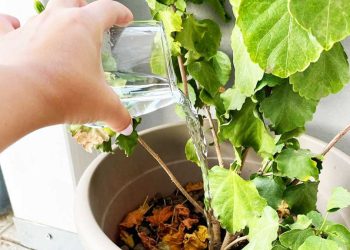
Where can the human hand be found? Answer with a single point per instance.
(58, 55)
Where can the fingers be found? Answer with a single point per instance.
(8, 23)
(55, 4)
(118, 117)
(107, 13)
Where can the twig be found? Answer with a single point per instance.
(171, 175)
(215, 137)
(236, 241)
(228, 238)
(335, 140)
(183, 74)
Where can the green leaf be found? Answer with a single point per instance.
(181, 5)
(328, 20)
(191, 92)
(222, 67)
(128, 143)
(302, 222)
(191, 153)
(291, 113)
(315, 242)
(247, 73)
(204, 73)
(235, 201)
(157, 60)
(219, 7)
(201, 36)
(293, 239)
(328, 75)
(264, 231)
(339, 234)
(38, 6)
(302, 198)
(274, 39)
(317, 220)
(108, 61)
(235, 6)
(271, 81)
(279, 247)
(246, 129)
(340, 199)
(297, 164)
(233, 99)
(271, 189)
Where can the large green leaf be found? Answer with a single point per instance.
(294, 238)
(328, 75)
(339, 234)
(271, 189)
(303, 222)
(340, 199)
(264, 231)
(235, 201)
(204, 73)
(219, 7)
(297, 164)
(302, 198)
(247, 73)
(222, 66)
(246, 129)
(233, 99)
(318, 220)
(274, 39)
(286, 109)
(129, 143)
(201, 36)
(328, 20)
(315, 242)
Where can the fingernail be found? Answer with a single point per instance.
(128, 130)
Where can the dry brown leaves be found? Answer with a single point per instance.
(135, 217)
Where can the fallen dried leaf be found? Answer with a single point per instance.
(174, 239)
(127, 238)
(283, 209)
(196, 240)
(160, 215)
(135, 217)
(148, 242)
(189, 222)
(196, 186)
(182, 210)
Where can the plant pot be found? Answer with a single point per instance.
(113, 184)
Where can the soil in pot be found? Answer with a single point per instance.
(166, 222)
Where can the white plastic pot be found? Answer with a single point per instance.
(113, 184)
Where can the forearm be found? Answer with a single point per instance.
(22, 107)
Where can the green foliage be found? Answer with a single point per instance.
(340, 199)
(291, 113)
(274, 39)
(201, 36)
(190, 152)
(328, 75)
(340, 234)
(38, 6)
(247, 73)
(247, 130)
(271, 189)
(264, 231)
(222, 67)
(302, 198)
(232, 99)
(128, 143)
(303, 222)
(297, 164)
(236, 202)
(328, 20)
(293, 239)
(315, 242)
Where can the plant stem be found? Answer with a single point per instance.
(228, 238)
(236, 241)
(335, 140)
(323, 223)
(183, 74)
(171, 175)
(215, 137)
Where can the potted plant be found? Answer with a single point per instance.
(287, 55)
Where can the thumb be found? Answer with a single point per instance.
(117, 116)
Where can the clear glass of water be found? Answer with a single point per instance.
(137, 64)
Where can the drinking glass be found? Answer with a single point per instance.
(137, 64)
